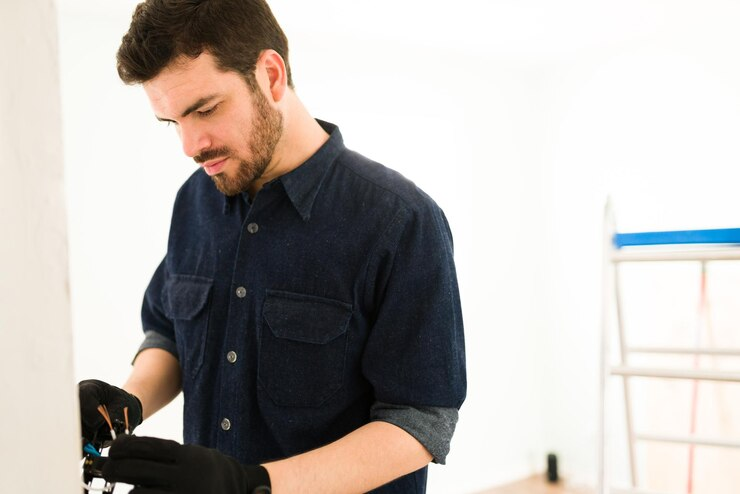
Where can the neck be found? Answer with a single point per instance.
(302, 137)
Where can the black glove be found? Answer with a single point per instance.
(160, 466)
(95, 429)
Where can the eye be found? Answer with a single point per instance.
(209, 111)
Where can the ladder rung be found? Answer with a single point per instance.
(702, 375)
(702, 441)
(648, 255)
(727, 352)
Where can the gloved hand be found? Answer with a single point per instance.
(94, 393)
(160, 466)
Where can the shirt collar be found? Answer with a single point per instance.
(303, 183)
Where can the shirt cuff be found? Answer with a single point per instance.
(152, 339)
(431, 426)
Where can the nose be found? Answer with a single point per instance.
(194, 138)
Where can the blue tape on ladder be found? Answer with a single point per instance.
(719, 236)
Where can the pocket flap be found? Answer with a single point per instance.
(305, 318)
(186, 295)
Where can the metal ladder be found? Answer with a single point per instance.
(702, 246)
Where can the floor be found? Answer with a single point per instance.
(538, 485)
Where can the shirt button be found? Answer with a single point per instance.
(241, 292)
(252, 228)
(226, 424)
(231, 357)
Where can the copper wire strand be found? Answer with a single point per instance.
(104, 412)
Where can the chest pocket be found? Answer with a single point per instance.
(303, 347)
(187, 303)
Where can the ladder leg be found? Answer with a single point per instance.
(607, 299)
(626, 382)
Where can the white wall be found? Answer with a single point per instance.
(39, 431)
(654, 121)
(518, 117)
(122, 173)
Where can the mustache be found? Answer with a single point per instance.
(210, 154)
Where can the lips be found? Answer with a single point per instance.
(215, 166)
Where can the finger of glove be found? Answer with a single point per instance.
(117, 400)
(93, 391)
(92, 394)
(145, 473)
(118, 418)
(94, 429)
(90, 397)
(144, 448)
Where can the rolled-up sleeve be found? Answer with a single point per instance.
(152, 339)
(433, 427)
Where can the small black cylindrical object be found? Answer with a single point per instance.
(552, 468)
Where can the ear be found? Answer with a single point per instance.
(273, 66)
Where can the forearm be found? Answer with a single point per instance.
(367, 458)
(155, 379)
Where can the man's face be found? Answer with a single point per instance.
(230, 130)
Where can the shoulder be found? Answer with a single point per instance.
(368, 179)
(387, 202)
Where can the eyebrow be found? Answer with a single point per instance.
(190, 109)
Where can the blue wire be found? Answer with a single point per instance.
(89, 448)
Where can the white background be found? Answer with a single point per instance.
(518, 117)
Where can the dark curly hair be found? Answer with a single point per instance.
(235, 32)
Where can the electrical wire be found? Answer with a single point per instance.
(104, 412)
(90, 449)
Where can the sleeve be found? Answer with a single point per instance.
(415, 353)
(152, 339)
(431, 426)
(158, 328)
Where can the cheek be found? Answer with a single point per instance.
(239, 126)
(238, 137)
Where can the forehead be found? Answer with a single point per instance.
(185, 80)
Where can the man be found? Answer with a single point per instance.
(307, 305)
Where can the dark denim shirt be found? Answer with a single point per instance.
(294, 313)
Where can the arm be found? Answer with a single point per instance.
(367, 458)
(155, 379)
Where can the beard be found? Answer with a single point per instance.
(267, 128)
